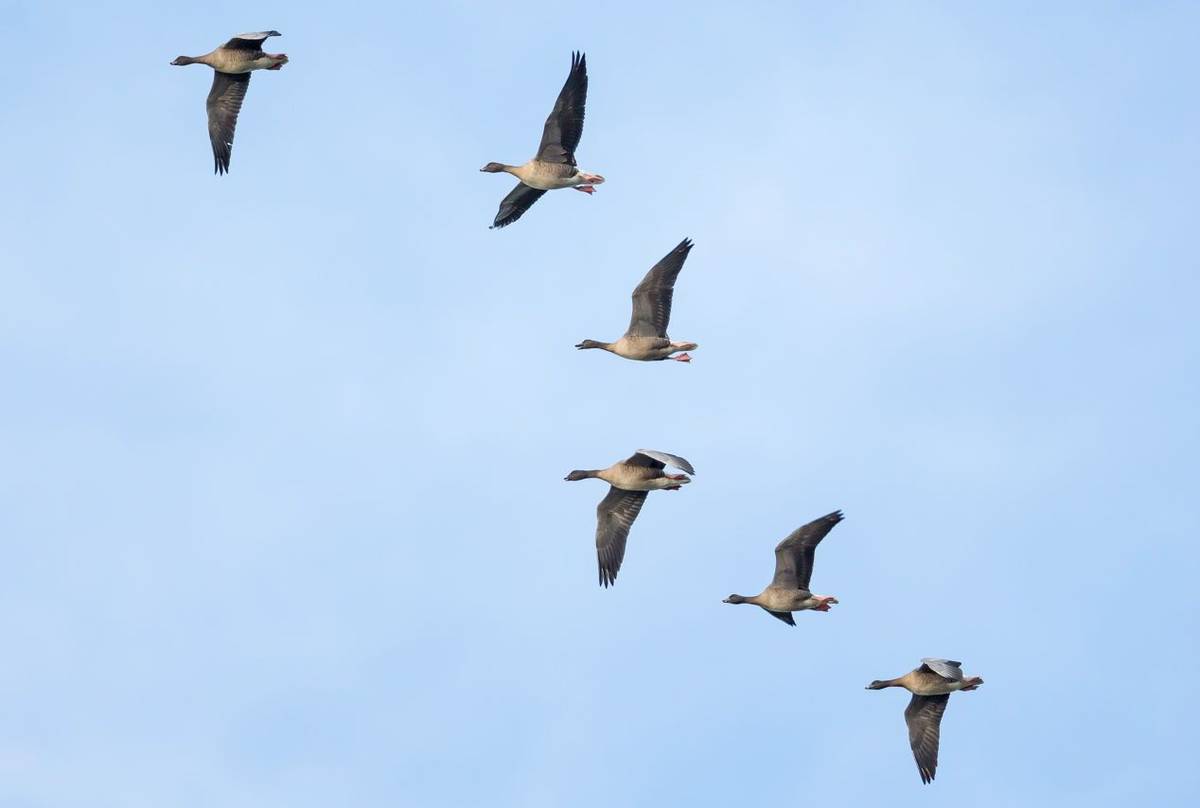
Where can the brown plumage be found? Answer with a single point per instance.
(554, 165)
(788, 591)
(646, 338)
(629, 480)
(931, 684)
(232, 64)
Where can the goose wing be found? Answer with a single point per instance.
(614, 517)
(224, 103)
(649, 458)
(924, 718)
(794, 555)
(513, 206)
(945, 668)
(784, 616)
(564, 126)
(250, 42)
(652, 297)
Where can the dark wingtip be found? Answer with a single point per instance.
(274, 33)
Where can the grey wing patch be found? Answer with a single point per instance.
(661, 459)
(564, 125)
(924, 718)
(224, 103)
(251, 41)
(946, 668)
(652, 297)
(794, 555)
(513, 206)
(614, 518)
(784, 616)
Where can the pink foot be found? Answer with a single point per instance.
(825, 601)
(587, 189)
(682, 358)
(677, 477)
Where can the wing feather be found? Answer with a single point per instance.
(251, 42)
(513, 206)
(924, 718)
(564, 126)
(655, 459)
(614, 518)
(945, 668)
(652, 297)
(794, 555)
(224, 103)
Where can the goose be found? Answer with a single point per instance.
(629, 480)
(231, 64)
(931, 685)
(788, 591)
(646, 338)
(554, 166)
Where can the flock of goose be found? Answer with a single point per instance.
(645, 340)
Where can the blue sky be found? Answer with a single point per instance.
(282, 500)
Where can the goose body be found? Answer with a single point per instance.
(232, 64)
(788, 591)
(646, 338)
(931, 684)
(629, 480)
(548, 176)
(553, 167)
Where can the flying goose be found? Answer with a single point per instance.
(931, 685)
(232, 64)
(646, 338)
(788, 591)
(554, 166)
(630, 480)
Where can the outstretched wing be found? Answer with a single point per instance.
(224, 103)
(614, 517)
(250, 42)
(513, 206)
(649, 458)
(945, 668)
(794, 555)
(924, 718)
(564, 126)
(652, 297)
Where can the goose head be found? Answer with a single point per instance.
(182, 60)
(494, 168)
(734, 599)
(579, 474)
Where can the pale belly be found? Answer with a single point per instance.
(787, 600)
(635, 482)
(642, 348)
(547, 178)
(935, 688)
